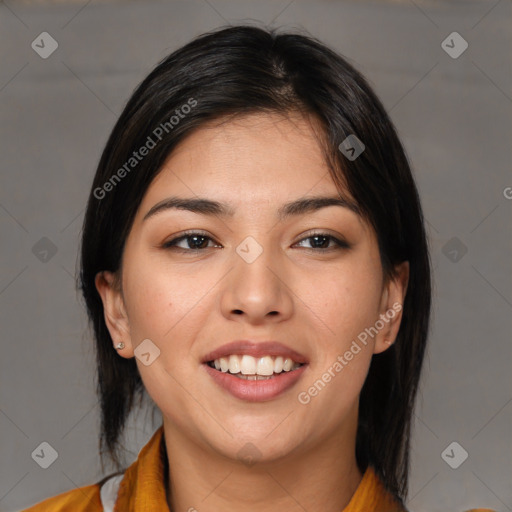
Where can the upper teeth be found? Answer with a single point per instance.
(248, 365)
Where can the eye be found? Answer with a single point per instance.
(324, 242)
(192, 241)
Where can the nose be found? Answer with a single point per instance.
(257, 292)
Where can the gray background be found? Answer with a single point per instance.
(454, 117)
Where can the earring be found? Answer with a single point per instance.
(120, 345)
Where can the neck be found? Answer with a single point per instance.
(201, 479)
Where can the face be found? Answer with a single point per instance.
(217, 297)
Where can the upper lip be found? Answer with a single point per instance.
(255, 349)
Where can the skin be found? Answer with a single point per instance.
(190, 303)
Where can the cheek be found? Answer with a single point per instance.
(160, 307)
(346, 298)
(158, 300)
(150, 306)
(354, 294)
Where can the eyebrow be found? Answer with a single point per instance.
(204, 206)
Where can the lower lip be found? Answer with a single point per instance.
(255, 390)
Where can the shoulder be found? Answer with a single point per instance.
(81, 499)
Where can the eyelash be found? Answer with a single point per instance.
(171, 244)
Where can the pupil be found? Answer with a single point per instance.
(317, 238)
(194, 239)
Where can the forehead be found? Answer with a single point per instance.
(258, 156)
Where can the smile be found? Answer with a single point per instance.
(254, 371)
(254, 368)
(254, 379)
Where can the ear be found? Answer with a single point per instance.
(391, 308)
(114, 310)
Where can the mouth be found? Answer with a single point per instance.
(247, 367)
(255, 371)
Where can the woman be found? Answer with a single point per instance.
(254, 259)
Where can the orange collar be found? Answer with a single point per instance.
(143, 486)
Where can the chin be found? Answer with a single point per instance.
(257, 449)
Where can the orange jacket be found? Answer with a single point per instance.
(142, 489)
